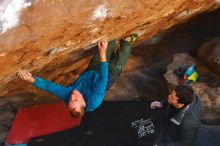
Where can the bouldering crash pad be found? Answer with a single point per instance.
(113, 123)
(40, 120)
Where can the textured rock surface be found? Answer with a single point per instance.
(207, 87)
(48, 33)
(143, 74)
(209, 54)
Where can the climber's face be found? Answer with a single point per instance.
(76, 103)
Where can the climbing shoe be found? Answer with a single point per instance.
(131, 38)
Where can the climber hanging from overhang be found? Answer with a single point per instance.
(86, 93)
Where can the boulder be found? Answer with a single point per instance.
(209, 55)
(47, 37)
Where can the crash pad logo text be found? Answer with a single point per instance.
(143, 127)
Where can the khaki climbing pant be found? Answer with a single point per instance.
(116, 60)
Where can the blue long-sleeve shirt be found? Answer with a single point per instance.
(91, 84)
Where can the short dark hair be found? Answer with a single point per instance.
(185, 94)
(76, 114)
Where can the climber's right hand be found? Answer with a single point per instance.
(26, 76)
(102, 44)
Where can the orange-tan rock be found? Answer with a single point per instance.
(51, 33)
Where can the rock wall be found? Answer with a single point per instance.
(209, 54)
(47, 37)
